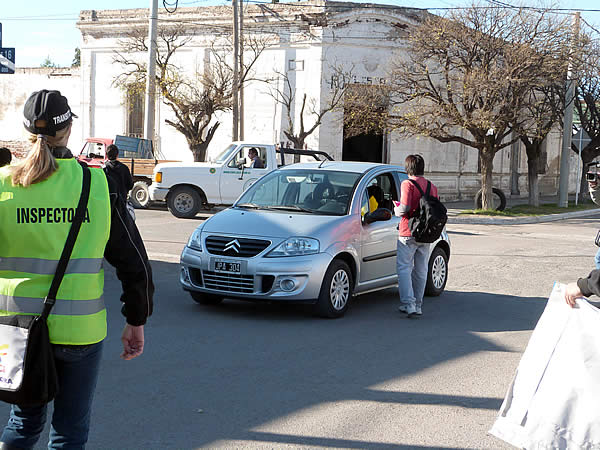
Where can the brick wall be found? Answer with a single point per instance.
(18, 148)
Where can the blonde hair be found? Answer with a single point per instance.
(40, 162)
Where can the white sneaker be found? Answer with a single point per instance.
(408, 309)
(418, 311)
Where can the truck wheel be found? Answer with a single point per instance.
(183, 202)
(498, 199)
(139, 195)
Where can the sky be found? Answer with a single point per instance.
(39, 29)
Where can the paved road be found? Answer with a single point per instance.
(268, 376)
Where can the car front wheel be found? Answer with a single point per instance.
(437, 274)
(336, 290)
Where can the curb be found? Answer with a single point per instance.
(473, 219)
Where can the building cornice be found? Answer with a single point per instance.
(297, 16)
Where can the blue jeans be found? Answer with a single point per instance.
(411, 265)
(77, 367)
(597, 259)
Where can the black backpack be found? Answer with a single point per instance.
(428, 221)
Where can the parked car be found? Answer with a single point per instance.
(189, 187)
(309, 232)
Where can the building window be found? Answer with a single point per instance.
(135, 111)
(296, 65)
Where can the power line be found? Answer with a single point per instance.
(589, 25)
(168, 5)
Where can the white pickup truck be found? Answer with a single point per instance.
(189, 187)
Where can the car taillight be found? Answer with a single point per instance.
(158, 177)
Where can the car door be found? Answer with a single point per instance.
(379, 239)
(237, 175)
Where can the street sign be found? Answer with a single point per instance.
(7, 60)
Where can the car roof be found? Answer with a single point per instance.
(342, 166)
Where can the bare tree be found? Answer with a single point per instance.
(544, 108)
(311, 113)
(544, 104)
(587, 101)
(194, 98)
(467, 80)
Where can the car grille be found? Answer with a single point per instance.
(229, 282)
(231, 246)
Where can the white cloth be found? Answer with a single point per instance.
(553, 401)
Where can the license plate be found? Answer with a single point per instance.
(228, 266)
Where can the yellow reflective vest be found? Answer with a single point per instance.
(34, 224)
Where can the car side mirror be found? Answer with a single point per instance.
(379, 215)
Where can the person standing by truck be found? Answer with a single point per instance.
(118, 170)
(36, 209)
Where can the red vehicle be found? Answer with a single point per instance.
(135, 153)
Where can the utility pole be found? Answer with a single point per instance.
(151, 75)
(563, 181)
(236, 74)
(241, 43)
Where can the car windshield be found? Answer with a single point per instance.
(222, 157)
(313, 191)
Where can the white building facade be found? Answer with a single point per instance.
(308, 40)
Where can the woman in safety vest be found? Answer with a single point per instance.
(38, 197)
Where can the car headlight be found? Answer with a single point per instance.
(295, 246)
(194, 241)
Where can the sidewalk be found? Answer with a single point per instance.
(454, 208)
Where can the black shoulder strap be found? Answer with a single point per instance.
(419, 187)
(427, 192)
(70, 243)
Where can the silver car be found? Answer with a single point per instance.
(309, 232)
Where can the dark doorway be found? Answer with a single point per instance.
(367, 147)
(365, 112)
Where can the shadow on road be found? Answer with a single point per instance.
(228, 372)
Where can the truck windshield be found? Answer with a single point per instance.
(222, 157)
(313, 191)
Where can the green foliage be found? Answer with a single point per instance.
(49, 63)
(76, 58)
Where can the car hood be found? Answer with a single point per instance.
(272, 224)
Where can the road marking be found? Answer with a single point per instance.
(166, 257)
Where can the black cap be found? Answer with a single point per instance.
(49, 106)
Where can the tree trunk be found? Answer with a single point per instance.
(584, 187)
(298, 142)
(532, 180)
(487, 165)
(199, 151)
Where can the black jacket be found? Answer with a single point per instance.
(126, 252)
(591, 284)
(120, 172)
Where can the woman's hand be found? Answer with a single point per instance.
(572, 292)
(133, 341)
